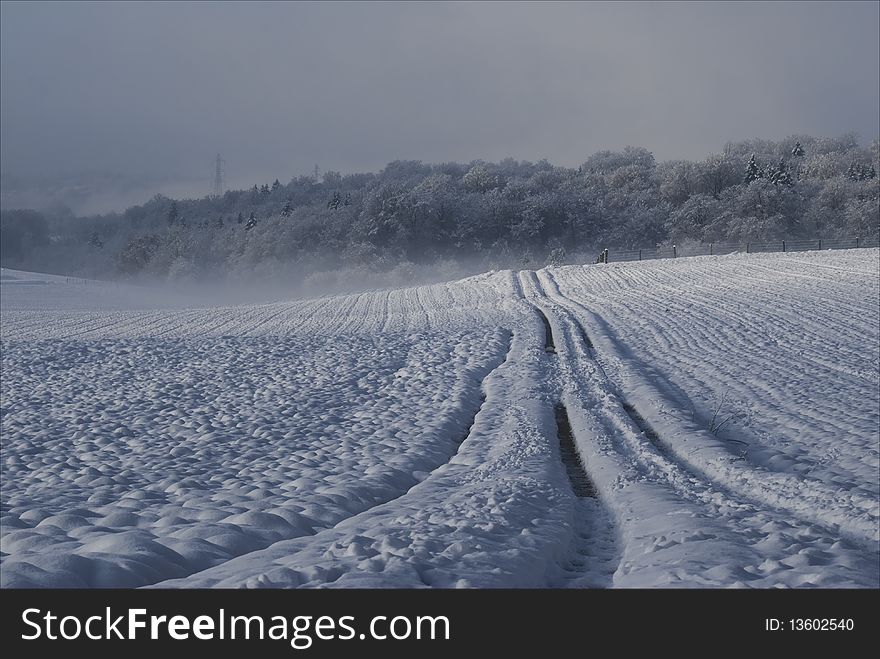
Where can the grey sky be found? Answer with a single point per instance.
(157, 89)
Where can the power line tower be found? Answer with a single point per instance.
(219, 185)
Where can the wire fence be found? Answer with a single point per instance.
(710, 249)
(80, 281)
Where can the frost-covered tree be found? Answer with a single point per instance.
(690, 220)
(137, 254)
(718, 172)
(861, 172)
(556, 256)
(862, 217)
(753, 172)
(827, 206)
(251, 223)
(780, 175)
(678, 180)
(479, 179)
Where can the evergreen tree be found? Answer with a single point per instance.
(276, 185)
(219, 222)
(335, 200)
(798, 150)
(287, 211)
(781, 176)
(173, 214)
(251, 223)
(752, 171)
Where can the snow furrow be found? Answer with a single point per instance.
(256, 554)
(265, 445)
(677, 501)
(704, 454)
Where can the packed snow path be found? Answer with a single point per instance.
(413, 438)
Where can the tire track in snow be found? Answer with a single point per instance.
(549, 345)
(581, 484)
(594, 557)
(594, 554)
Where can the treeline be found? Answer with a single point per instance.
(487, 215)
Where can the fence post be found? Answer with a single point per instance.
(673, 251)
(748, 247)
(783, 245)
(857, 241)
(710, 249)
(640, 255)
(820, 244)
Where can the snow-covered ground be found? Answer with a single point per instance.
(412, 437)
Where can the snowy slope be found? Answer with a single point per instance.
(409, 437)
(787, 347)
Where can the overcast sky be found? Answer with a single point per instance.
(158, 89)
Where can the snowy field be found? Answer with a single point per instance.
(710, 421)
